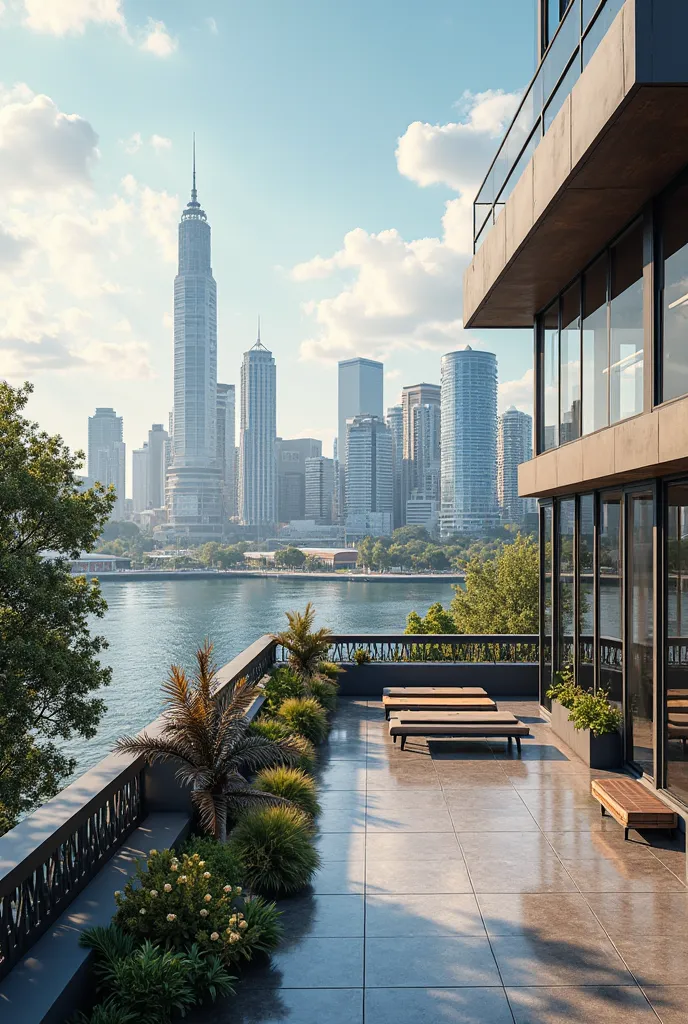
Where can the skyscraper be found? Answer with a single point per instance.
(226, 445)
(514, 446)
(291, 458)
(107, 454)
(415, 481)
(360, 388)
(395, 422)
(369, 476)
(140, 467)
(468, 442)
(194, 484)
(258, 491)
(320, 491)
(157, 437)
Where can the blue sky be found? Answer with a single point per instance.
(331, 138)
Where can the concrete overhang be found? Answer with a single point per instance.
(650, 445)
(620, 137)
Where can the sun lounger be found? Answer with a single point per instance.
(457, 725)
(394, 704)
(434, 691)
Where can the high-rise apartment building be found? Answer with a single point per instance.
(291, 455)
(194, 480)
(514, 446)
(369, 477)
(468, 442)
(107, 454)
(360, 393)
(140, 468)
(157, 439)
(226, 446)
(395, 422)
(257, 482)
(320, 489)
(412, 396)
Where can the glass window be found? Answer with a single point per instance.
(586, 590)
(626, 326)
(569, 361)
(595, 347)
(639, 669)
(565, 634)
(675, 296)
(611, 597)
(550, 382)
(546, 645)
(676, 641)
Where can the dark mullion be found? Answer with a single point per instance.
(576, 587)
(596, 591)
(648, 310)
(659, 612)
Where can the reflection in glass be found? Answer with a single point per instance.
(626, 326)
(611, 597)
(550, 381)
(561, 93)
(569, 365)
(595, 347)
(675, 296)
(586, 590)
(639, 678)
(546, 645)
(565, 633)
(601, 24)
(676, 641)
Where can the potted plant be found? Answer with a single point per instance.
(587, 722)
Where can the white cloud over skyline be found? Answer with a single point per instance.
(157, 40)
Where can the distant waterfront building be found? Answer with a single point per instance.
(291, 455)
(107, 454)
(514, 446)
(369, 476)
(140, 463)
(468, 442)
(320, 489)
(395, 422)
(193, 481)
(422, 512)
(360, 390)
(421, 442)
(226, 446)
(258, 486)
(157, 440)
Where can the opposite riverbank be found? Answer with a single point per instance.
(146, 575)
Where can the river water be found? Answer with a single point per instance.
(151, 624)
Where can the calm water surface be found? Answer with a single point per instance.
(151, 624)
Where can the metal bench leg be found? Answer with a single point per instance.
(508, 740)
(403, 742)
(518, 744)
(394, 738)
(626, 831)
(602, 809)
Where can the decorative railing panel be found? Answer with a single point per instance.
(438, 647)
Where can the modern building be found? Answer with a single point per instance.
(140, 467)
(335, 558)
(226, 446)
(194, 494)
(514, 446)
(107, 454)
(421, 441)
(581, 231)
(422, 512)
(395, 422)
(291, 456)
(360, 393)
(468, 442)
(369, 476)
(258, 477)
(157, 440)
(320, 490)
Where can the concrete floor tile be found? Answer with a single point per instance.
(570, 1005)
(436, 1006)
(433, 962)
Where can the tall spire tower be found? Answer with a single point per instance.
(194, 488)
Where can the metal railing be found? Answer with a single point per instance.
(578, 35)
(491, 647)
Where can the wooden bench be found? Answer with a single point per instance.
(457, 725)
(394, 704)
(632, 805)
(434, 691)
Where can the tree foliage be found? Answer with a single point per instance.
(290, 558)
(307, 646)
(501, 593)
(49, 665)
(437, 620)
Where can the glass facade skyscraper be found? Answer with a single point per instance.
(258, 471)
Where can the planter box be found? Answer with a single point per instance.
(595, 751)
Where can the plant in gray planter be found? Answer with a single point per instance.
(587, 722)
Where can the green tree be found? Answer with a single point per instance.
(406, 533)
(290, 558)
(501, 594)
(380, 556)
(49, 666)
(208, 553)
(437, 620)
(365, 553)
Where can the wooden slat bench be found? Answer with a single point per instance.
(394, 704)
(632, 805)
(434, 691)
(457, 725)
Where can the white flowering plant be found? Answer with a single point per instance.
(176, 901)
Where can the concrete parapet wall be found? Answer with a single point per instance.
(500, 679)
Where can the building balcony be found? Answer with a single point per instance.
(601, 129)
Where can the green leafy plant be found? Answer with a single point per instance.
(207, 733)
(276, 846)
(324, 692)
(291, 784)
(305, 716)
(307, 647)
(564, 688)
(276, 730)
(108, 1012)
(219, 858)
(152, 982)
(282, 684)
(330, 669)
(361, 656)
(593, 711)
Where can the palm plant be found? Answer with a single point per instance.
(206, 731)
(307, 647)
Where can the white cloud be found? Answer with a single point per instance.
(62, 17)
(212, 26)
(136, 142)
(133, 143)
(517, 392)
(157, 40)
(13, 249)
(159, 213)
(159, 142)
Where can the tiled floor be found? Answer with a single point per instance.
(462, 885)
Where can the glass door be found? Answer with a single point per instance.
(610, 597)
(639, 655)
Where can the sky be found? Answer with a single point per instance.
(339, 149)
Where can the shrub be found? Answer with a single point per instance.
(275, 730)
(361, 656)
(324, 692)
(275, 845)
(108, 1012)
(594, 712)
(330, 669)
(220, 859)
(179, 901)
(282, 684)
(564, 688)
(305, 716)
(292, 784)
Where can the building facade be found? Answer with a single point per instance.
(514, 446)
(421, 442)
(320, 490)
(395, 422)
(140, 467)
(226, 446)
(194, 494)
(468, 442)
(107, 454)
(291, 456)
(587, 242)
(360, 393)
(258, 433)
(369, 477)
